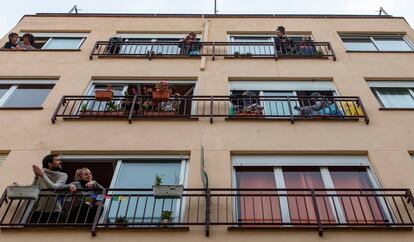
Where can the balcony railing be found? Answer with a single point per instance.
(150, 50)
(231, 107)
(318, 209)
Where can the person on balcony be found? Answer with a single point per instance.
(320, 107)
(52, 177)
(28, 42)
(190, 45)
(283, 43)
(13, 41)
(83, 205)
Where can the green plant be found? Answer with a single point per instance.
(167, 215)
(158, 180)
(121, 220)
(84, 107)
(112, 107)
(236, 54)
(319, 52)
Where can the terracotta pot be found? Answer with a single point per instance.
(161, 96)
(150, 113)
(101, 95)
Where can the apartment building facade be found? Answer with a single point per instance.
(306, 140)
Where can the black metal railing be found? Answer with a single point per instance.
(317, 208)
(237, 208)
(149, 49)
(232, 107)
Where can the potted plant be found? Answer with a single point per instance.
(113, 109)
(121, 221)
(166, 191)
(104, 95)
(248, 54)
(166, 108)
(162, 92)
(166, 216)
(236, 54)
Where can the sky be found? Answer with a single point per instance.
(10, 15)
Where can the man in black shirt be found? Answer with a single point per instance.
(283, 43)
(13, 40)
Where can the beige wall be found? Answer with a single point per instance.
(29, 134)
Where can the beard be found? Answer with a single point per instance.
(57, 168)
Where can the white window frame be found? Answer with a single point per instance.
(321, 161)
(44, 47)
(136, 158)
(15, 84)
(372, 39)
(409, 85)
(59, 35)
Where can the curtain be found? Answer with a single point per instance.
(257, 206)
(359, 208)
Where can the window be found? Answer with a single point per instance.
(146, 42)
(58, 41)
(129, 88)
(259, 49)
(274, 95)
(377, 43)
(24, 94)
(2, 159)
(299, 174)
(394, 94)
(63, 43)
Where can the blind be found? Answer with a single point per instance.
(2, 159)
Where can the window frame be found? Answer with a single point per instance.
(320, 161)
(375, 85)
(374, 42)
(14, 85)
(82, 40)
(57, 35)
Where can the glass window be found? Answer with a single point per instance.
(63, 43)
(252, 49)
(359, 44)
(138, 175)
(395, 97)
(3, 90)
(392, 44)
(28, 96)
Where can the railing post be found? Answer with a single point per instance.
(211, 109)
(98, 213)
(93, 50)
(208, 204)
(363, 110)
(57, 109)
(292, 120)
(318, 218)
(131, 112)
(213, 51)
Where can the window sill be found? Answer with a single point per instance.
(396, 109)
(42, 50)
(378, 52)
(21, 108)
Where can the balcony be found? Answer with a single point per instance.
(290, 108)
(270, 50)
(238, 209)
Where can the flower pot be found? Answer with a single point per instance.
(101, 95)
(152, 113)
(168, 191)
(161, 96)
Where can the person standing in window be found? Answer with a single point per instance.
(84, 205)
(28, 42)
(283, 43)
(13, 41)
(190, 45)
(50, 177)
